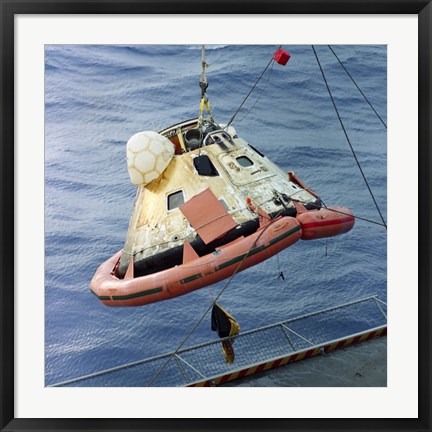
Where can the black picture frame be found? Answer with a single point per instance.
(9, 9)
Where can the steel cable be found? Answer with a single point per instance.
(358, 88)
(347, 137)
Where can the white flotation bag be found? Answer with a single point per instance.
(148, 154)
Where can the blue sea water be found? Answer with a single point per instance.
(97, 96)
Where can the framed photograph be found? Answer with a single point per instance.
(152, 134)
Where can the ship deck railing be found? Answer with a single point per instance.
(256, 350)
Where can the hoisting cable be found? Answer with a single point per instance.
(204, 102)
(259, 96)
(214, 302)
(358, 88)
(347, 138)
(252, 89)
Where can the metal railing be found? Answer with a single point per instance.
(200, 362)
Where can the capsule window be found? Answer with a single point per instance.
(175, 200)
(205, 166)
(244, 161)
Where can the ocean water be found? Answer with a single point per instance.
(97, 96)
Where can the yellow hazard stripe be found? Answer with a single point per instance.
(291, 357)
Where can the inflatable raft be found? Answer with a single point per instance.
(196, 272)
